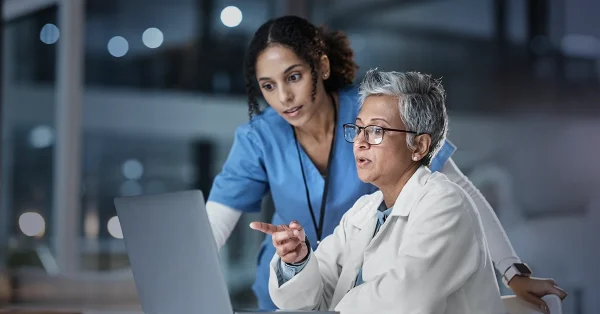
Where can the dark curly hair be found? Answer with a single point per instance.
(309, 43)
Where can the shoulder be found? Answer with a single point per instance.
(262, 127)
(349, 92)
(440, 185)
(348, 97)
(442, 196)
(445, 203)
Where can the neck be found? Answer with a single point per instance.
(392, 189)
(321, 123)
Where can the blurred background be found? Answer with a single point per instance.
(104, 98)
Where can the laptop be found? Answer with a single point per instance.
(173, 255)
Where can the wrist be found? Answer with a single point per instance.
(515, 270)
(300, 261)
(303, 259)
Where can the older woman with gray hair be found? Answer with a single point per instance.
(414, 246)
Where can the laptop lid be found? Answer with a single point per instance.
(173, 254)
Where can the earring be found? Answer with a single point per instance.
(325, 75)
(415, 158)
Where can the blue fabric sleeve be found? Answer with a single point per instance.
(285, 272)
(442, 156)
(242, 183)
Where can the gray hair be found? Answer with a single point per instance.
(421, 100)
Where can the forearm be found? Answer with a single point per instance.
(501, 250)
(222, 221)
(502, 253)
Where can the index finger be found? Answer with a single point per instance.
(263, 227)
(554, 289)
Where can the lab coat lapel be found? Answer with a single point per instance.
(365, 220)
(411, 192)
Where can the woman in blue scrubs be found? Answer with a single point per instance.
(296, 150)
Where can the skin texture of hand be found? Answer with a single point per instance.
(289, 241)
(533, 289)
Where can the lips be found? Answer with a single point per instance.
(362, 161)
(293, 111)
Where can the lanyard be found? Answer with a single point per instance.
(319, 227)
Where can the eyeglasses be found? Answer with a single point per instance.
(373, 133)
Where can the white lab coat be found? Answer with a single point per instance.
(430, 256)
(223, 219)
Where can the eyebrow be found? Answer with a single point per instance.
(291, 67)
(381, 119)
(375, 119)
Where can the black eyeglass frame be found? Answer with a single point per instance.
(362, 128)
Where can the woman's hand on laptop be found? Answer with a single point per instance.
(289, 241)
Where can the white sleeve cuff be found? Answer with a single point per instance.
(286, 271)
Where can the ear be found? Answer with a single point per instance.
(422, 146)
(324, 67)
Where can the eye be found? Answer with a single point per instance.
(377, 130)
(267, 87)
(294, 77)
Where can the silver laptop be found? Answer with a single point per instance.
(173, 254)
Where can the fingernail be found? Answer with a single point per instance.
(544, 308)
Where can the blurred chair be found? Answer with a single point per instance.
(515, 305)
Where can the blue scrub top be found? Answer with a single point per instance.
(264, 157)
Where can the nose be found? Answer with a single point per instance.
(285, 95)
(360, 141)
